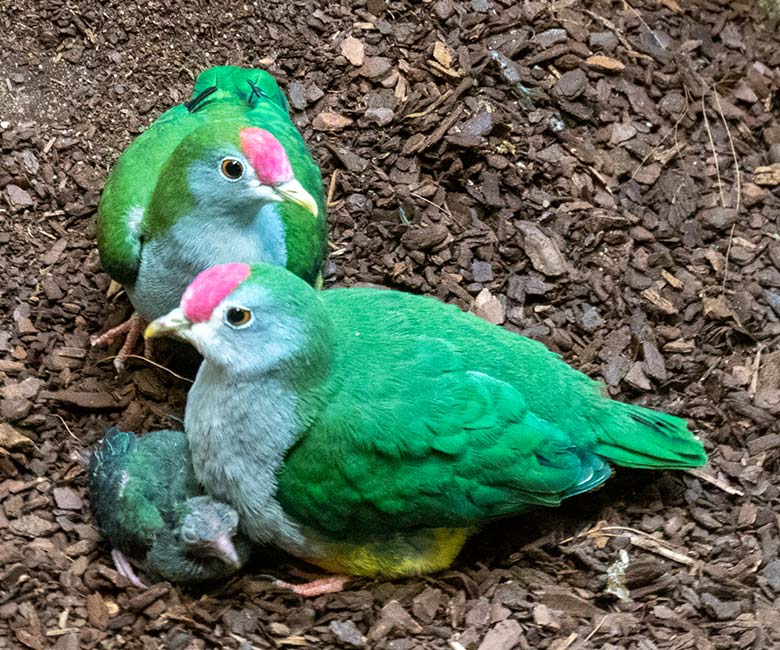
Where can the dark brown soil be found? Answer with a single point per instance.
(616, 212)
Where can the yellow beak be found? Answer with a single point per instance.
(172, 323)
(293, 191)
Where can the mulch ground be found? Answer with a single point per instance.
(595, 175)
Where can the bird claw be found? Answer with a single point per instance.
(132, 327)
(329, 585)
(124, 569)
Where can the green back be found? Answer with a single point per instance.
(251, 96)
(436, 417)
(138, 486)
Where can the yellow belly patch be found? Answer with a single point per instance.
(414, 553)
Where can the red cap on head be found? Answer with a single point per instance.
(209, 288)
(266, 155)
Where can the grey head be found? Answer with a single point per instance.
(227, 168)
(268, 318)
(208, 528)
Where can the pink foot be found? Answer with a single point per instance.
(124, 569)
(330, 585)
(132, 327)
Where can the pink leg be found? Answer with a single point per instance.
(148, 348)
(109, 335)
(133, 327)
(329, 585)
(124, 569)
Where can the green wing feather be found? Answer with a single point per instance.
(449, 431)
(221, 93)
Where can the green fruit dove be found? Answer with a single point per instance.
(370, 432)
(225, 177)
(148, 504)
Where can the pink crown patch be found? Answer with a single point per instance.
(209, 288)
(266, 155)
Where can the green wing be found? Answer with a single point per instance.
(138, 485)
(466, 424)
(432, 444)
(221, 93)
(122, 510)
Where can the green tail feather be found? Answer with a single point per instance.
(647, 439)
(247, 84)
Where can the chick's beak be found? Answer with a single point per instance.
(174, 322)
(293, 191)
(226, 551)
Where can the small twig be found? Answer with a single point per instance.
(753, 388)
(244, 643)
(728, 257)
(595, 629)
(644, 24)
(653, 545)
(738, 177)
(613, 28)
(444, 210)
(432, 106)
(639, 539)
(65, 424)
(332, 187)
(712, 146)
(714, 480)
(737, 172)
(151, 363)
(678, 147)
(566, 643)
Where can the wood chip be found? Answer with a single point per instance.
(353, 50)
(97, 612)
(768, 176)
(664, 305)
(542, 250)
(86, 400)
(604, 63)
(443, 54)
(13, 440)
(328, 121)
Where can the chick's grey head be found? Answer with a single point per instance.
(250, 320)
(208, 528)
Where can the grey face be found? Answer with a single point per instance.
(222, 180)
(207, 530)
(251, 332)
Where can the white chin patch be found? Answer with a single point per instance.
(201, 335)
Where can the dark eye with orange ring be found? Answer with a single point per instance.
(232, 169)
(238, 316)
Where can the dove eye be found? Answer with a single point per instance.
(238, 317)
(231, 169)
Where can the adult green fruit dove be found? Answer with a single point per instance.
(225, 177)
(370, 432)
